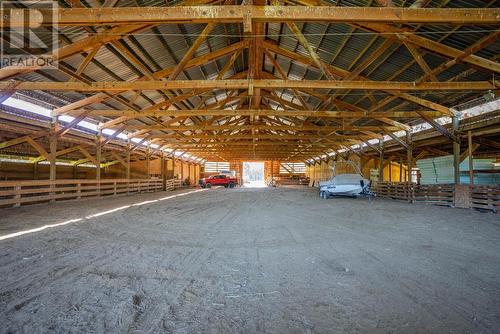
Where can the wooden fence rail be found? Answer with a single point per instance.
(463, 196)
(16, 193)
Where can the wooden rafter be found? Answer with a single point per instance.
(244, 84)
(231, 14)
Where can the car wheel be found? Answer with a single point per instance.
(231, 185)
(209, 185)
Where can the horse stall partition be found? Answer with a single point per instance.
(453, 195)
(16, 193)
(398, 191)
(485, 198)
(437, 194)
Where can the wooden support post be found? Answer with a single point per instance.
(471, 161)
(98, 157)
(456, 150)
(163, 173)
(127, 174)
(148, 164)
(381, 162)
(362, 162)
(17, 195)
(173, 166)
(401, 170)
(410, 165)
(409, 156)
(390, 171)
(272, 172)
(35, 170)
(191, 167)
(52, 156)
(182, 171)
(75, 171)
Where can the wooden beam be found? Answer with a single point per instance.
(381, 162)
(303, 41)
(58, 153)
(87, 155)
(402, 35)
(256, 127)
(98, 155)
(12, 142)
(441, 129)
(471, 160)
(207, 138)
(157, 75)
(409, 154)
(236, 14)
(127, 166)
(53, 151)
(132, 114)
(284, 76)
(119, 159)
(420, 61)
(38, 147)
(343, 73)
(397, 139)
(468, 52)
(86, 44)
(189, 54)
(61, 132)
(244, 84)
(86, 61)
(456, 149)
(393, 122)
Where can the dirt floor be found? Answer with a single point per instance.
(248, 261)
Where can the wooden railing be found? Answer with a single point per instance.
(399, 191)
(437, 194)
(463, 196)
(16, 193)
(485, 198)
(173, 184)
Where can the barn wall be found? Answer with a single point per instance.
(138, 169)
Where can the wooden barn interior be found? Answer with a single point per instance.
(117, 118)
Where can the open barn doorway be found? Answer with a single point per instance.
(253, 175)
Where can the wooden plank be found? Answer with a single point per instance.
(237, 13)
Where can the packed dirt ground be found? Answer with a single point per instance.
(248, 261)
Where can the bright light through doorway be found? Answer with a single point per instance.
(253, 175)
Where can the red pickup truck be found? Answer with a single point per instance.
(218, 180)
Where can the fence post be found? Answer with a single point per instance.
(17, 196)
(79, 190)
(409, 154)
(461, 196)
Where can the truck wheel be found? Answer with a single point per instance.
(231, 184)
(209, 185)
